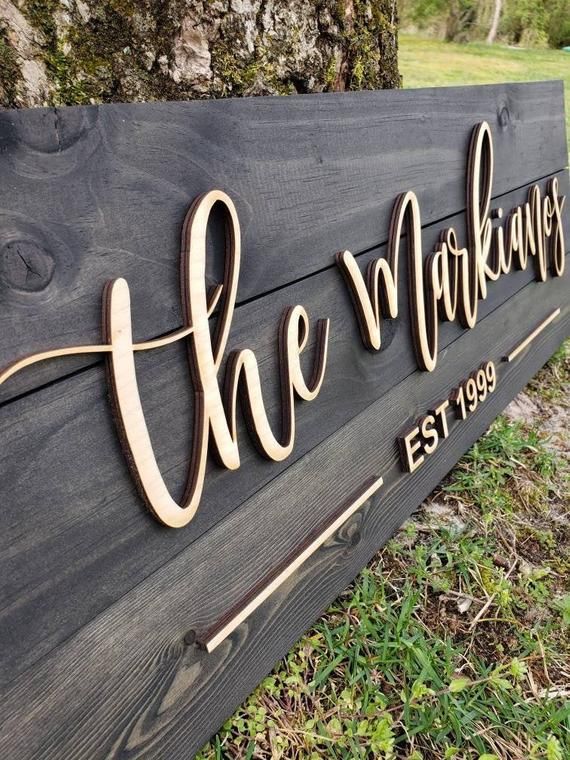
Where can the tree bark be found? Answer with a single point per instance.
(55, 52)
(495, 22)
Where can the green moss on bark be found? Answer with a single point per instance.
(9, 71)
(369, 31)
(59, 68)
(106, 56)
(109, 50)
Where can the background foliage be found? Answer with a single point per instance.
(522, 22)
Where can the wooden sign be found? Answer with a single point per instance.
(241, 342)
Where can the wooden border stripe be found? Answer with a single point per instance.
(521, 346)
(215, 637)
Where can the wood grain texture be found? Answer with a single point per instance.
(129, 683)
(89, 194)
(91, 514)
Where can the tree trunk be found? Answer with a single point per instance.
(56, 52)
(495, 22)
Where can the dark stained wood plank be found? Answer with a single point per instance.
(91, 515)
(92, 193)
(130, 683)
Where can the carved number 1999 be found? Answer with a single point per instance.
(474, 390)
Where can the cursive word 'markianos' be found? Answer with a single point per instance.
(448, 283)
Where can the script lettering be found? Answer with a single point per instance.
(449, 283)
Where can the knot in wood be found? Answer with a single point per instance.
(26, 266)
(504, 117)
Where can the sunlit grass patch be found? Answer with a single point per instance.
(431, 63)
(553, 381)
(508, 468)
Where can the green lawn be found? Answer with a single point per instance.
(455, 641)
(430, 63)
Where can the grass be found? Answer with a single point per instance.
(455, 641)
(431, 63)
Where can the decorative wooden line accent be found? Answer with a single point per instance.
(537, 330)
(214, 637)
